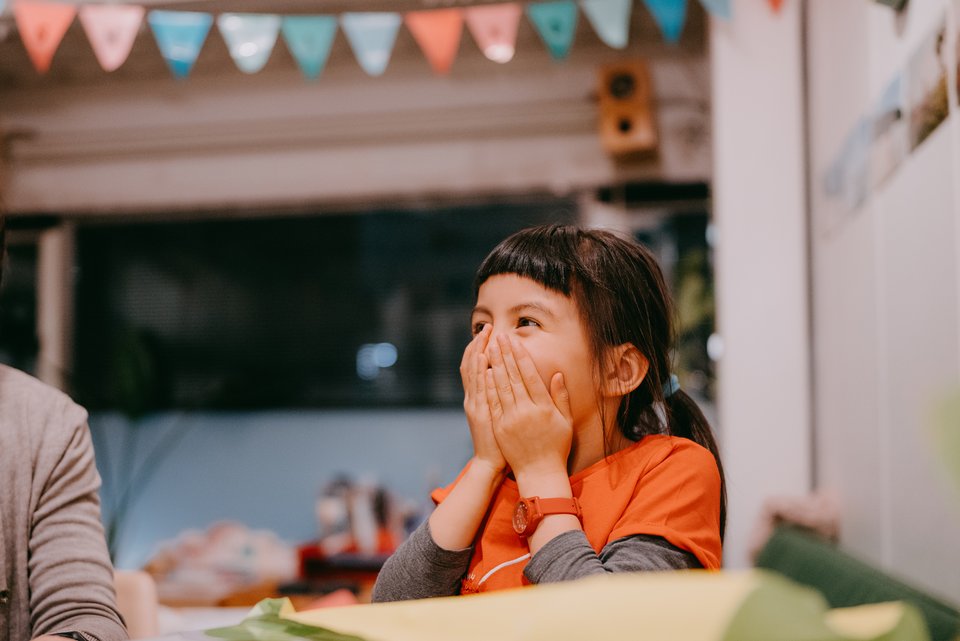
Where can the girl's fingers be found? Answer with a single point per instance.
(560, 396)
(528, 373)
(493, 399)
(480, 375)
(510, 365)
(468, 364)
(501, 380)
(480, 360)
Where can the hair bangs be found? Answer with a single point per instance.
(542, 254)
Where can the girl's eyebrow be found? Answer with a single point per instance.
(516, 309)
(540, 307)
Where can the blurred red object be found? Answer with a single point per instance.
(335, 599)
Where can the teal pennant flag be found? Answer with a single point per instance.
(309, 39)
(556, 22)
(180, 36)
(718, 8)
(371, 36)
(250, 37)
(670, 16)
(610, 19)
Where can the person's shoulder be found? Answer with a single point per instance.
(661, 449)
(25, 400)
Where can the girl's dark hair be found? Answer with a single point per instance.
(3, 244)
(623, 298)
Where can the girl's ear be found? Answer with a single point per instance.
(626, 370)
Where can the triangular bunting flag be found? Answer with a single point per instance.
(670, 16)
(556, 22)
(111, 30)
(494, 27)
(371, 36)
(438, 33)
(717, 8)
(42, 26)
(180, 36)
(250, 37)
(309, 39)
(610, 19)
(776, 4)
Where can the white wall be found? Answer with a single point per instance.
(762, 290)
(885, 305)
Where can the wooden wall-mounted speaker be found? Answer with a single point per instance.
(627, 124)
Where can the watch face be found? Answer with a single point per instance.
(520, 519)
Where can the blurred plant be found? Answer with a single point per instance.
(696, 311)
(137, 388)
(946, 434)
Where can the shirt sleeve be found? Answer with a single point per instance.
(678, 499)
(420, 569)
(569, 556)
(70, 574)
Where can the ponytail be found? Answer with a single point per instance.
(649, 410)
(686, 420)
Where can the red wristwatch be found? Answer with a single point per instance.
(530, 511)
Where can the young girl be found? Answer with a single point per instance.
(588, 458)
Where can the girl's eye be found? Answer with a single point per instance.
(527, 322)
(478, 327)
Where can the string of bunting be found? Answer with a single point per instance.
(251, 37)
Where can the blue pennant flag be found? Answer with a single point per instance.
(556, 22)
(610, 19)
(371, 36)
(718, 8)
(309, 39)
(250, 37)
(180, 36)
(670, 16)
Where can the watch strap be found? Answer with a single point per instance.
(560, 506)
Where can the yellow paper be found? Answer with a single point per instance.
(669, 606)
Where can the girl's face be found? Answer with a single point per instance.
(548, 325)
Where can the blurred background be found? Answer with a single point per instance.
(259, 283)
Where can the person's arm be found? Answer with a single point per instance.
(569, 556)
(454, 523)
(70, 574)
(421, 569)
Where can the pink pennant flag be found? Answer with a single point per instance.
(438, 34)
(111, 29)
(42, 26)
(776, 4)
(494, 27)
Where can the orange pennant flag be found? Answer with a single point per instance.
(776, 4)
(494, 27)
(438, 34)
(42, 26)
(111, 29)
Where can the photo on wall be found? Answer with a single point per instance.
(926, 82)
(955, 63)
(891, 141)
(847, 178)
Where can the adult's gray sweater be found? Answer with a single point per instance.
(55, 573)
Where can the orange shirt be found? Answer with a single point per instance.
(663, 486)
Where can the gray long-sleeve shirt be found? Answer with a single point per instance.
(420, 568)
(55, 573)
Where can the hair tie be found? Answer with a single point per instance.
(671, 387)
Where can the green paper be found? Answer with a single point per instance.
(781, 610)
(264, 623)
